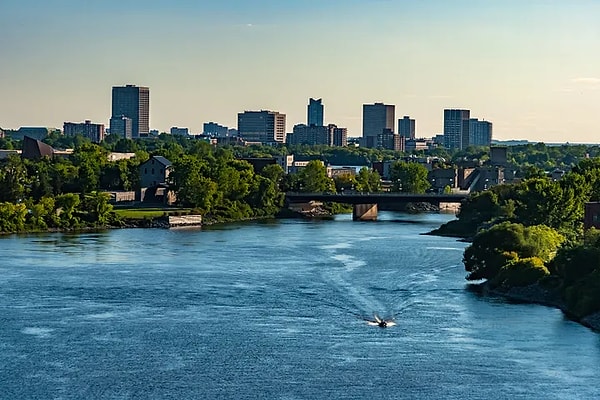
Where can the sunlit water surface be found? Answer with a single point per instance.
(273, 310)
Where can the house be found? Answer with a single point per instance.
(154, 176)
(155, 171)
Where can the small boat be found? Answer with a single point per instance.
(381, 322)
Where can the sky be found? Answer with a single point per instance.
(531, 67)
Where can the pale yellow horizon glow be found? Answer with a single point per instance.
(532, 69)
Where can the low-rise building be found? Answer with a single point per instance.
(180, 131)
(155, 171)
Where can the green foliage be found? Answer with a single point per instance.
(313, 178)
(344, 183)
(583, 297)
(12, 217)
(13, 180)
(90, 160)
(491, 248)
(67, 205)
(368, 181)
(98, 207)
(520, 272)
(273, 172)
(409, 177)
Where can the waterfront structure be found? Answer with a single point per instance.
(406, 127)
(315, 112)
(456, 128)
(180, 131)
(378, 119)
(132, 102)
(122, 126)
(480, 132)
(267, 127)
(94, 132)
(214, 129)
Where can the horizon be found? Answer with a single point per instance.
(529, 68)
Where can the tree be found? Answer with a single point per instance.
(344, 182)
(90, 160)
(98, 207)
(409, 177)
(542, 201)
(12, 217)
(265, 198)
(66, 207)
(13, 180)
(493, 248)
(368, 181)
(313, 178)
(273, 172)
(193, 187)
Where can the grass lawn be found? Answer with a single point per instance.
(148, 212)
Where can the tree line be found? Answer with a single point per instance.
(531, 232)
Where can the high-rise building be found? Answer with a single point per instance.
(480, 132)
(94, 132)
(456, 128)
(262, 126)
(121, 126)
(315, 112)
(378, 119)
(337, 136)
(406, 127)
(132, 102)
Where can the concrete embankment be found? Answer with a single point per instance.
(184, 220)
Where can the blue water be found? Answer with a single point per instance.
(277, 311)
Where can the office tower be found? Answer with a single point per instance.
(378, 119)
(262, 126)
(132, 102)
(214, 129)
(94, 132)
(456, 128)
(121, 126)
(406, 127)
(480, 132)
(315, 112)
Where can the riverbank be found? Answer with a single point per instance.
(536, 294)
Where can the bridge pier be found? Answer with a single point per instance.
(364, 212)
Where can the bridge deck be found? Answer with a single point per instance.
(374, 198)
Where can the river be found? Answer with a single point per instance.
(274, 310)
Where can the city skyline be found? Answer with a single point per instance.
(530, 67)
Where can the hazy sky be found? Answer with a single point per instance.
(532, 67)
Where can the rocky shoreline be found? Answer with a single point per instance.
(536, 294)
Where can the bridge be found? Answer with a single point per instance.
(365, 204)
